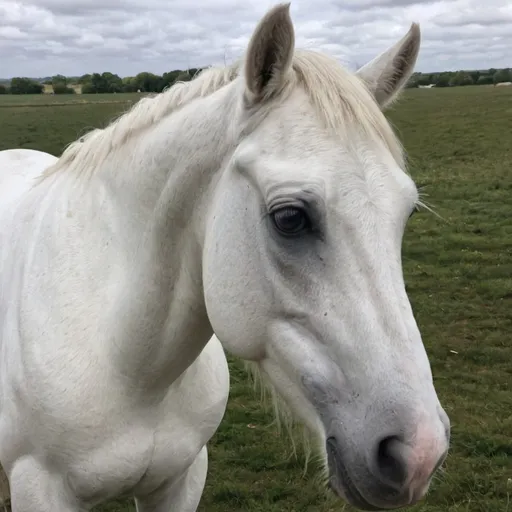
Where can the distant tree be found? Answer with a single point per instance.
(99, 83)
(461, 78)
(61, 88)
(58, 80)
(424, 80)
(193, 72)
(88, 88)
(129, 84)
(475, 75)
(443, 80)
(148, 82)
(502, 75)
(84, 79)
(112, 82)
(485, 80)
(169, 79)
(3, 89)
(22, 85)
(106, 82)
(184, 76)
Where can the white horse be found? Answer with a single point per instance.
(264, 202)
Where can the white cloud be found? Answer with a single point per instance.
(73, 37)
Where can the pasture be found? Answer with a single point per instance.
(458, 269)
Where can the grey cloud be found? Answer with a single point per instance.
(44, 37)
(484, 19)
(364, 5)
(78, 7)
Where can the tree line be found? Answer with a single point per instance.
(98, 83)
(107, 82)
(457, 78)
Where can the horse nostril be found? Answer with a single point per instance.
(390, 462)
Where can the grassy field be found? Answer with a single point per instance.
(48, 100)
(459, 276)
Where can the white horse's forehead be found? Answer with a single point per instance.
(381, 176)
(328, 169)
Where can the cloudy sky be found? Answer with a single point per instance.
(73, 37)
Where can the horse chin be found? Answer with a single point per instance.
(341, 483)
(349, 493)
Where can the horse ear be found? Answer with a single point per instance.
(387, 74)
(269, 54)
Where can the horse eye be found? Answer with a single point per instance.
(290, 220)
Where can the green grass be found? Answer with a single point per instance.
(459, 277)
(48, 100)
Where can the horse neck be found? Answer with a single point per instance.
(159, 194)
(176, 161)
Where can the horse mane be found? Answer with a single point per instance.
(341, 99)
